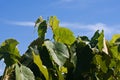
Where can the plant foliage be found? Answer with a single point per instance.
(65, 57)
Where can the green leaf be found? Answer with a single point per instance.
(53, 22)
(115, 38)
(84, 59)
(60, 75)
(94, 39)
(64, 35)
(9, 52)
(42, 68)
(23, 73)
(73, 59)
(42, 29)
(115, 53)
(100, 41)
(38, 42)
(112, 63)
(58, 52)
(101, 63)
(38, 21)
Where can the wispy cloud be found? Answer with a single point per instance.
(77, 27)
(21, 23)
(91, 28)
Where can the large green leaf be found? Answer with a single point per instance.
(42, 68)
(53, 22)
(23, 73)
(9, 52)
(64, 35)
(58, 51)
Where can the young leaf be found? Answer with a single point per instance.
(53, 22)
(64, 35)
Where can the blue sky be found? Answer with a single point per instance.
(83, 17)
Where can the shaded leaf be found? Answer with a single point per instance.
(42, 29)
(73, 59)
(94, 39)
(9, 52)
(58, 52)
(38, 42)
(23, 73)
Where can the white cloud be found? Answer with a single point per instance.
(89, 29)
(21, 23)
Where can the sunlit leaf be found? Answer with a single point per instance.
(64, 35)
(53, 22)
(101, 63)
(115, 52)
(115, 38)
(100, 41)
(42, 68)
